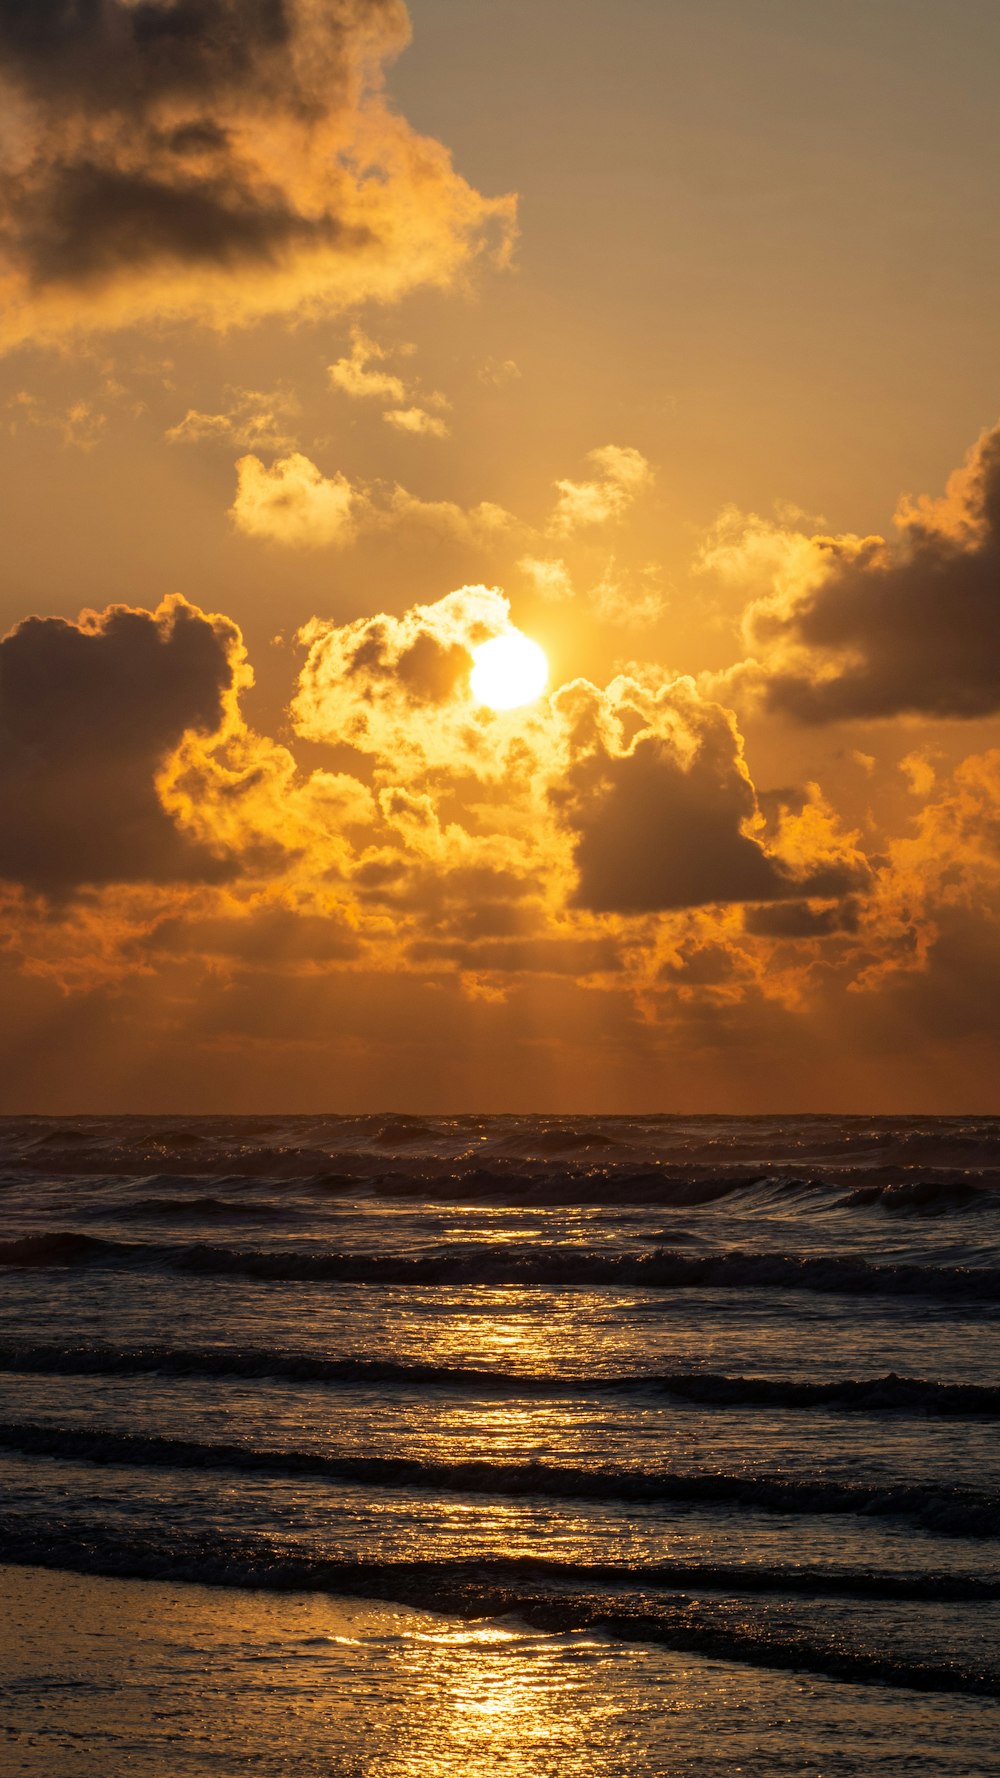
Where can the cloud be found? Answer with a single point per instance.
(417, 420)
(862, 628)
(799, 919)
(663, 810)
(355, 377)
(89, 712)
(281, 939)
(495, 372)
(576, 957)
(216, 161)
(622, 475)
(598, 835)
(294, 503)
(549, 576)
(479, 525)
(398, 687)
(81, 424)
(254, 420)
(353, 374)
(919, 771)
(633, 601)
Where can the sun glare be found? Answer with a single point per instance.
(508, 671)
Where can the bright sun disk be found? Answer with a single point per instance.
(508, 671)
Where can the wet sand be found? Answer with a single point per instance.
(108, 1677)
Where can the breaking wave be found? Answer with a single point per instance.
(863, 1395)
(946, 1511)
(622, 1603)
(553, 1268)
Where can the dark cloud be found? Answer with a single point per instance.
(428, 669)
(88, 713)
(541, 956)
(896, 630)
(798, 919)
(105, 53)
(159, 147)
(432, 671)
(97, 218)
(278, 938)
(707, 966)
(656, 830)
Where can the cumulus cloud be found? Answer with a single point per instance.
(398, 687)
(663, 810)
(416, 420)
(89, 712)
(292, 502)
(598, 835)
(215, 160)
(622, 475)
(354, 376)
(864, 628)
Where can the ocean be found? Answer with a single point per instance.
(390, 1446)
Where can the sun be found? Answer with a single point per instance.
(508, 671)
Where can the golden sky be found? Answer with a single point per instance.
(663, 334)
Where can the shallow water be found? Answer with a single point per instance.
(154, 1678)
(693, 1411)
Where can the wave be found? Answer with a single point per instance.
(922, 1197)
(862, 1395)
(552, 1268)
(193, 1209)
(524, 1185)
(911, 1166)
(550, 1597)
(944, 1510)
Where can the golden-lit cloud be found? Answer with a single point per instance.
(253, 420)
(548, 576)
(88, 712)
(622, 474)
(633, 600)
(292, 502)
(663, 809)
(481, 525)
(378, 863)
(398, 688)
(353, 374)
(418, 421)
(81, 424)
(603, 841)
(854, 627)
(216, 161)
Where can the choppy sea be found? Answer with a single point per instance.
(683, 1431)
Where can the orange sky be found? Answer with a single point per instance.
(663, 334)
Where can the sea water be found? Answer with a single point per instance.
(507, 1444)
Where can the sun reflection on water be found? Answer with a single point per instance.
(499, 1699)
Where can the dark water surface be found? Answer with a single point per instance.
(685, 1430)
